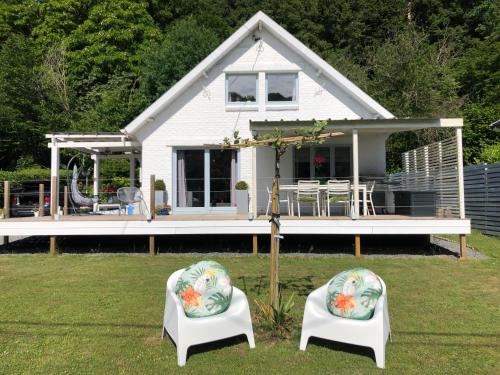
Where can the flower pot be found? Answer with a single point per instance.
(160, 197)
(36, 213)
(242, 201)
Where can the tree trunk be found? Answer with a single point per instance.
(275, 234)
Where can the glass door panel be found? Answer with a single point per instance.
(342, 161)
(222, 178)
(302, 164)
(190, 178)
(321, 163)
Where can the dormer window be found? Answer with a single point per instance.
(281, 88)
(241, 88)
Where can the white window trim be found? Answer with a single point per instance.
(241, 106)
(283, 106)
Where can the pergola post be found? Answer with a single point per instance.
(355, 171)
(97, 166)
(54, 174)
(132, 170)
(461, 194)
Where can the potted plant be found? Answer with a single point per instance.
(162, 210)
(1, 213)
(241, 197)
(160, 193)
(36, 212)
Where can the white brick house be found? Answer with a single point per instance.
(260, 78)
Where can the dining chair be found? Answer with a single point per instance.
(308, 192)
(270, 200)
(370, 187)
(338, 191)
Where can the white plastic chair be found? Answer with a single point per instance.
(270, 201)
(338, 191)
(319, 322)
(185, 332)
(308, 192)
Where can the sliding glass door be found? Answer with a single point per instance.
(205, 180)
(322, 162)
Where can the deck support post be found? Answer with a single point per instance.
(355, 171)
(52, 245)
(41, 200)
(357, 245)
(152, 246)
(463, 246)
(152, 203)
(65, 207)
(6, 206)
(255, 243)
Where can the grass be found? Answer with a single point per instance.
(487, 245)
(103, 314)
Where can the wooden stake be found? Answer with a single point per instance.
(275, 233)
(53, 245)
(6, 199)
(41, 200)
(255, 248)
(152, 246)
(65, 207)
(463, 246)
(357, 245)
(152, 195)
(6, 206)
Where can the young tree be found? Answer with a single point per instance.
(280, 142)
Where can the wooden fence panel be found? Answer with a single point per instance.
(482, 197)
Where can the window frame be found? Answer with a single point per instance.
(293, 103)
(247, 103)
(312, 149)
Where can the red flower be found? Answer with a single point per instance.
(319, 160)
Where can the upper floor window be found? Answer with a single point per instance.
(241, 88)
(281, 87)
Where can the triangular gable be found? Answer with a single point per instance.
(258, 20)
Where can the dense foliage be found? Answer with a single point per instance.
(92, 65)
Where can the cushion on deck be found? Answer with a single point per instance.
(353, 294)
(204, 289)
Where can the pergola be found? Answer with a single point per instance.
(99, 146)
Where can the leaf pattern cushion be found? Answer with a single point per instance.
(353, 294)
(204, 289)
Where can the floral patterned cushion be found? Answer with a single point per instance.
(204, 289)
(353, 294)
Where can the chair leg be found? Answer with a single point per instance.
(319, 209)
(298, 207)
(181, 355)
(303, 341)
(268, 204)
(328, 206)
(373, 208)
(251, 340)
(380, 356)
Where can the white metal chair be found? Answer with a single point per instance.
(370, 186)
(318, 322)
(338, 191)
(185, 332)
(308, 192)
(270, 200)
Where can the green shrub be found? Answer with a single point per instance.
(491, 154)
(241, 185)
(160, 185)
(34, 174)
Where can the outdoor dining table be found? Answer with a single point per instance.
(289, 189)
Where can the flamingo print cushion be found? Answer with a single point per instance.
(353, 294)
(204, 289)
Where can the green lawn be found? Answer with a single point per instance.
(103, 314)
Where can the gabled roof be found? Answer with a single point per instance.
(258, 20)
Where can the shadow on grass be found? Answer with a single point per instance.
(342, 347)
